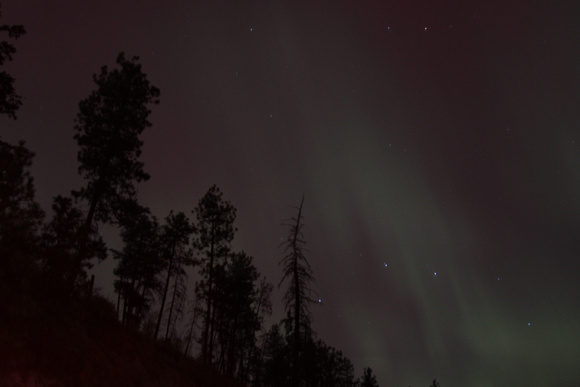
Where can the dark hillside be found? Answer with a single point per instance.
(82, 344)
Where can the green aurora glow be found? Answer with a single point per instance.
(451, 150)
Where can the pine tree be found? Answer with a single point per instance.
(214, 231)
(262, 307)
(273, 366)
(298, 296)
(10, 102)
(194, 311)
(176, 254)
(368, 379)
(20, 220)
(236, 319)
(108, 125)
(139, 263)
(59, 243)
(329, 367)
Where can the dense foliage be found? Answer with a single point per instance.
(10, 102)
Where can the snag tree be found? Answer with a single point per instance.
(298, 297)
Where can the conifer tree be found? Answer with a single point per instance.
(139, 263)
(10, 102)
(108, 125)
(176, 254)
(368, 378)
(298, 296)
(20, 219)
(236, 320)
(273, 368)
(59, 242)
(214, 231)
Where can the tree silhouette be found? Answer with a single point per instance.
(176, 253)
(107, 127)
(214, 231)
(298, 296)
(328, 367)
(194, 312)
(240, 303)
(59, 243)
(435, 383)
(10, 102)
(368, 379)
(273, 369)
(20, 219)
(262, 300)
(139, 263)
(262, 307)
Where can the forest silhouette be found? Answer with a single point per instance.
(58, 330)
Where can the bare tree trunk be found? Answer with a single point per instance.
(211, 334)
(85, 234)
(82, 246)
(171, 306)
(165, 290)
(206, 353)
(190, 334)
(119, 296)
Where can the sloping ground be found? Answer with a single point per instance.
(51, 344)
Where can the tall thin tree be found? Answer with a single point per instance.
(214, 231)
(176, 253)
(194, 311)
(299, 293)
(139, 263)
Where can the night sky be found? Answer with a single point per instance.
(436, 142)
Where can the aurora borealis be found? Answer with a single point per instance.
(436, 143)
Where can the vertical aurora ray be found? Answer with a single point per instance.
(451, 150)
